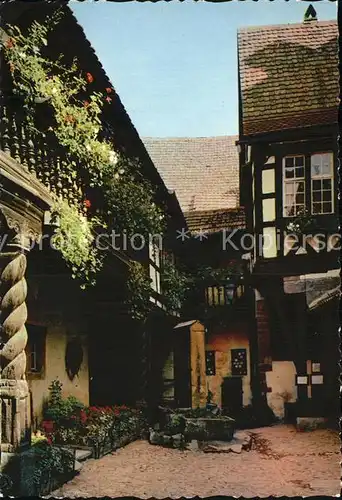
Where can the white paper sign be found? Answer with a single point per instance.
(317, 379)
(302, 380)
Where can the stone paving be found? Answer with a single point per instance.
(282, 461)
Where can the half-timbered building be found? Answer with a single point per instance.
(288, 90)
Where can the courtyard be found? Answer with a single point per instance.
(281, 462)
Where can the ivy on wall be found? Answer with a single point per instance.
(77, 125)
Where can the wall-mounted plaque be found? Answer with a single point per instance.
(302, 380)
(316, 367)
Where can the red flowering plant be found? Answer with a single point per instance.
(109, 423)
(90, 426)
(60, 414)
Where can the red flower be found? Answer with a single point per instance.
(89, 78)
(49, 440)
(9, 43)
(108, 99)
(87, 203)
(109, 90)
(86, 104)
(47, 426)
(69, 118)
(83, 417)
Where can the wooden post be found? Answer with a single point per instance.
(197, 355)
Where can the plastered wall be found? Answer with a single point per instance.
(56, 341)
(282, 382)
(222, 342)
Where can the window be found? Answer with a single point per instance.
(294, 185)
(322, 183)
(239, 361)
(210, 368)
(154, 255)
(35, 349)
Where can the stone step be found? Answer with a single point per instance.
(82, 455)
(77, 466)
(241, 441)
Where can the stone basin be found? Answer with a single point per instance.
(209, 428)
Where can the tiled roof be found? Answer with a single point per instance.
(211, 221)
(288, 76)
(204, 173)
(325, 298)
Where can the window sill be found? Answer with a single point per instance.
(35, 375)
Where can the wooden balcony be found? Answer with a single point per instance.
(39, 154)
(223, 295)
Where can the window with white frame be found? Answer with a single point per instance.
(154, 256)
(294, 185)
(322, 183)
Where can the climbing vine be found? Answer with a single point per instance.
(74, 238)
(138, 292)
(216, 276)
(38, 79)
(175, 284)
(77, 125)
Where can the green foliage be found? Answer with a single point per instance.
(175, 424)
(50, 462)
(138, 292)
(59, 409)
(37, 438)
(175, 285)
(93, 426)
(210, 275)
(197, 413)
(129, 198)
(74, 238)
(77, 125)
(301, 223)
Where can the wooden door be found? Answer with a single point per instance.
(232, 396)
(182, 367)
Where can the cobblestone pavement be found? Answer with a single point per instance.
(282, 461)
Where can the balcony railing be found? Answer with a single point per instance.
(223, 295)
(41, 155)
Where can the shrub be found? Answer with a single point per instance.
(60, 410)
